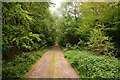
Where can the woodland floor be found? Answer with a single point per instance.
(52, 65)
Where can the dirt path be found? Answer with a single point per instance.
(52, 65)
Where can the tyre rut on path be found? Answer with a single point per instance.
(52, 65)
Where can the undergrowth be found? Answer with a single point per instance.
(20, 64)
(89, 65)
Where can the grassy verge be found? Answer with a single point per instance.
(89, 65)
(52, 65)
(20, 64)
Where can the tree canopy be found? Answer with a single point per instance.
(92, 25)
(26, 26)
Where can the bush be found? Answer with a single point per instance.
(19, 65)
(70, 47)
(98, 42)
(89, 65)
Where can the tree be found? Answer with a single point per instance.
(26, 26)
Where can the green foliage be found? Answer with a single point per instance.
(99, 20)
(67, 24)
(89, 65)
(93, 26)
(98, 41)
(19, 65)
(26, 26)
(19, 37)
